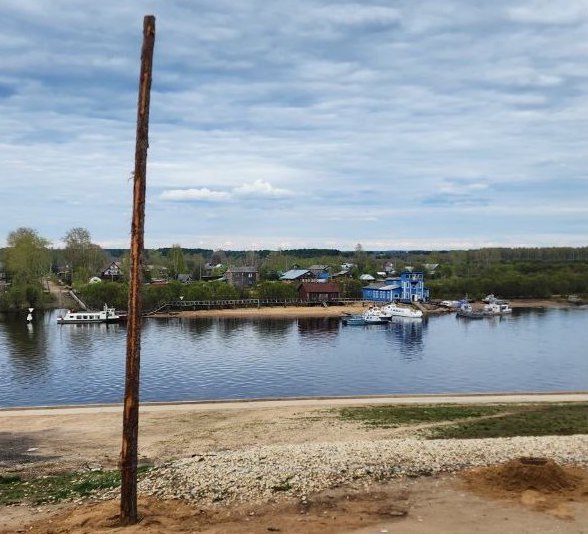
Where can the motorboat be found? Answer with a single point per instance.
(392, 310)
(496, 308)
(466, 311)
(372, 315)
(106, 315)
(375, 315)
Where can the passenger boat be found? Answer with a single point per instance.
(106, 315)
(392, 309)
(354, 320)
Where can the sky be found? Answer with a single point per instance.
(436, 124)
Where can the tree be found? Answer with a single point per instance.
(84, 257)
(27, 260)
(176, 263)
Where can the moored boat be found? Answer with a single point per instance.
(394, 310)
(466, 311)
(497, 308)
(106, 315)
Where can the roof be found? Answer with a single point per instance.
(318, 268)
(241, 270)
(293, 274)
(320, 287)
(366, 277)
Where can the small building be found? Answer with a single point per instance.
(409, 287)
(242, 277)
(112, 272)
(366, 278)
(320, 272)
(318, 291)
(185, 278)
(297, 275)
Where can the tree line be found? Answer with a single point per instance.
(29, 259)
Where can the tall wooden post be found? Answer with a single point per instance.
(128, 459)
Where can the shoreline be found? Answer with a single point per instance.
(277, 312)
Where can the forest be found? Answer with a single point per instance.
(29, 261)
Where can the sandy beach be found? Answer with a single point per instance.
(333, 311)
(228, 445)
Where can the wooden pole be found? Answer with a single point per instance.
(128, 457)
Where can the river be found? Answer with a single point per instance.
(532, 350)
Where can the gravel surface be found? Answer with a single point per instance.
(262, 474)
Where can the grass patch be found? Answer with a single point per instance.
(506, 420)
(56, 488)
(395, 416)
(537, 420)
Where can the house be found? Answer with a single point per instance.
(320, 272)
(366, 278)
(318, 291)
(297, 275)
(185, 278)
(242, 277)
(112, 272)
(409, 287)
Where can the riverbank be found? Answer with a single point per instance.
(284, 466)
(271, 312)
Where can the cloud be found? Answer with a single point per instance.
(339, 110)
(261, 189)
(202, 195)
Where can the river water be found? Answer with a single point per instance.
(191, 359)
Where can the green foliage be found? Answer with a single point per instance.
(84, 258)
(276, 290)
(56, 488)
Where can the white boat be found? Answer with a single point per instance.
(496, 308)
(393, 310)
(375, 316)
(106, 315)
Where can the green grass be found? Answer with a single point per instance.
(56, 488)
(396, 416)
(481, 421)
(548, 420)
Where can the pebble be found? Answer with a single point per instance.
(269, 473)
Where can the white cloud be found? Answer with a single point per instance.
(261, 189)
(203, 195)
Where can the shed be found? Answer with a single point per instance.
(318, 291)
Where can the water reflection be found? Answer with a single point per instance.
(312, 327)
(273, 328)
(407, 333)
(25, 343)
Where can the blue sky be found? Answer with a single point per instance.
(395, 124)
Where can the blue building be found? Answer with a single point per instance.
(410, 287)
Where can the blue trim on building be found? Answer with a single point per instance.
(410, 287)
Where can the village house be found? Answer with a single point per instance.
(409, 287)
(112, 272)
(242, 277)
(318, 292)
(297, 275)
(320, 272)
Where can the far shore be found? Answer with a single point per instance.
(268, 312)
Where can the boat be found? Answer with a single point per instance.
(372, 315)
(354, 320)
(467, 312)
(497, 308)
(393, 310)
(375, 315)
(106, 315)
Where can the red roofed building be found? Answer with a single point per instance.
(318, 291)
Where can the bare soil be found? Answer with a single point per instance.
(34, 444)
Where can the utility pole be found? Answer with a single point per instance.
(128, 456)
